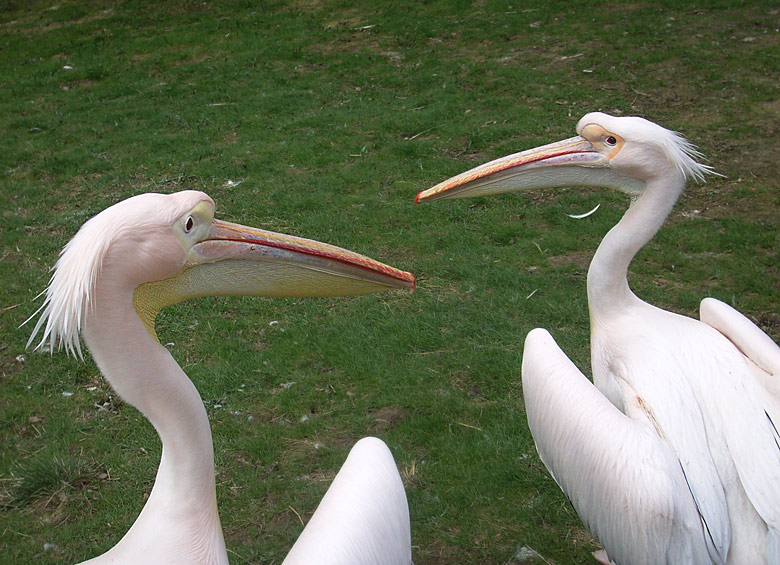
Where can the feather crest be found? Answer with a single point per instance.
(68, 297)
(685, 156)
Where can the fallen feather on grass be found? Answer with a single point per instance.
(585, 215)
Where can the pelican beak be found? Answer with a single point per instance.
(235, 260)
(571, 162)
(240, 260)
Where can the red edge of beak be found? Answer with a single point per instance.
(357, 260)
(567, 147)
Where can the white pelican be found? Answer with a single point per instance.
(674, 455)
(154, 250)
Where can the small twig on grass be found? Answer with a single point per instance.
(431, 352)
(15, 532)
(469, 426)
(296, 513)
(241, 557)
(415, 136)
(540, 556)
(410, 470)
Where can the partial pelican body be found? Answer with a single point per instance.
(674, 455)
(363, 518)
(154, 250)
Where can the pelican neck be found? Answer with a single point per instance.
(608, 289)
(146, 376)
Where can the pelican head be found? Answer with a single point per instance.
(159, 250)
(623, 153)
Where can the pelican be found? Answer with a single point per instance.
(152, 251)
(674, 455)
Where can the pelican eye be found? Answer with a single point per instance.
(189, 223)
(611, 140)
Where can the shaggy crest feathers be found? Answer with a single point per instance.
(686, 157)
(71, 287)
(678, 150)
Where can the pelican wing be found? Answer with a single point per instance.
(762, 356)
(748, 338)
(625, 483)
(364, 516)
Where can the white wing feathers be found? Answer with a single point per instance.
(624, 482)
(762, 357)
(364, 516)
(747, 337)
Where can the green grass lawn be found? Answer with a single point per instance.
(324, 119)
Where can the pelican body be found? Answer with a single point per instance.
(154, 250)
(674, 455)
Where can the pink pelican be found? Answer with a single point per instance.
(674, 455)
(155, 250)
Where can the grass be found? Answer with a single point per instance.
(45, 476)
(324, 119)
